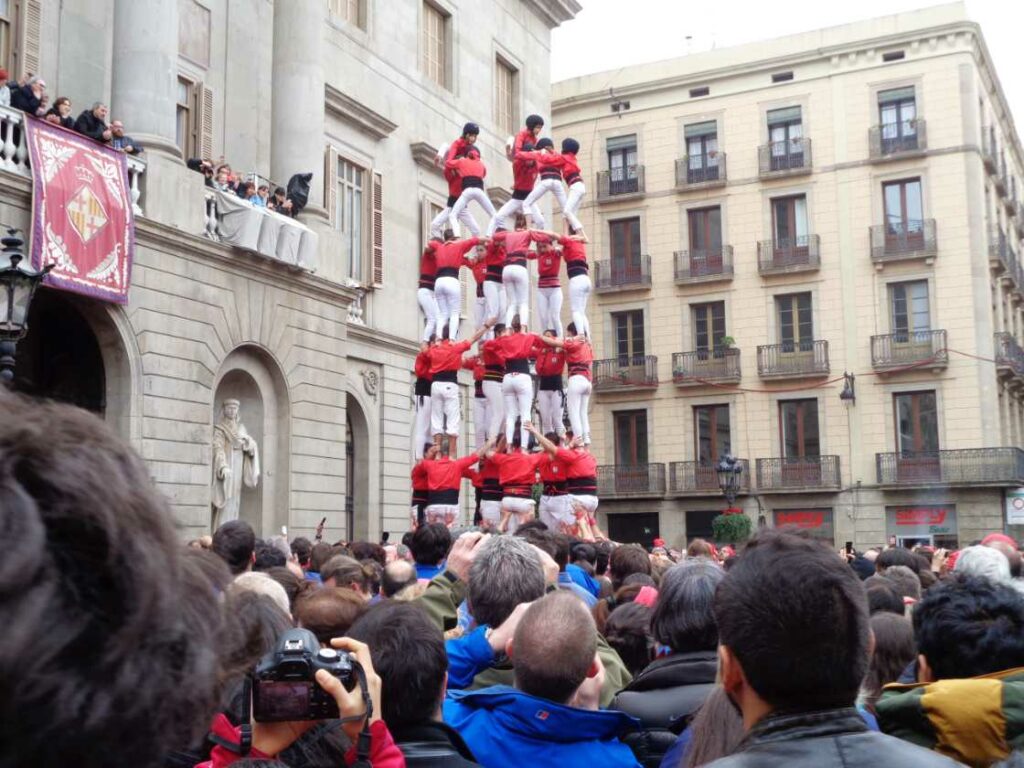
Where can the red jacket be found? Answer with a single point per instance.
(467, 168)
(479, 269)
(383, 752)
(428, 269)
(447, 356)
(493, 359)
(450, 174)
(516, 346)
(445, 474)
(552, 474)
(575, 254)
(451, 255)
(524, 172)
(570, 168)
(419, 483)
(422, 365)
(550, 360)
(549, 164)
(517, 471)
(517, 244)
(580, 357)
(549, 264)
(578, 464)
(476, 365)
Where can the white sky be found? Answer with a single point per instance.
(608, 34)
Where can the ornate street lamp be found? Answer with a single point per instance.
(729, 472)
(18, 283)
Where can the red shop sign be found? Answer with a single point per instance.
(800, 519)
(927, 516)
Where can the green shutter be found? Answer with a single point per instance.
(709, 128)
(622, 142)
(784, 115)
(896, 94)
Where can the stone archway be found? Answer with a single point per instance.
(250, 375)
(357, 472)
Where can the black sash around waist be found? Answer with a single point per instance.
(519, 491)
(551, 175)
(444, 496)
(472, 181)
(581, 486)
(493, 372)
(518, 365)
(556, 488)
(448, 272)
(494, 272)
(572, 178)
(452, 376)
(516, 259)
(422, 387)
(575, 268)
(478, 389)
(551, 383)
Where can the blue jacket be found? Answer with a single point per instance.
(506, 727)
(467, 657)
(427, 572)
(565, 582)
(584, 579)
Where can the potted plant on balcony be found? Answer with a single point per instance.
(731, 527)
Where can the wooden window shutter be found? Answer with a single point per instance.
(29, 38)
(331, 183)
(377, 225)
(205, 121)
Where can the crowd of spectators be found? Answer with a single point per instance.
(254, 189)
(124, 647)
(29, 94)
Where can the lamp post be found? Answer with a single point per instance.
(18, 283)
(729, 472)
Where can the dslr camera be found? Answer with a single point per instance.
(283, 684)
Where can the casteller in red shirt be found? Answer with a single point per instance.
(517, 472)
(579, 355)
(446, 359)
(444, 476)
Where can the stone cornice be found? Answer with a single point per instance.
(499, 196)
(554, 12)
(378, 339)
(160, 236)
(423, 154)
(349, 110)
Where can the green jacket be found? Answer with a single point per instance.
(445, 593)
(976, 720)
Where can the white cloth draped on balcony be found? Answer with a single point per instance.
(266, 232)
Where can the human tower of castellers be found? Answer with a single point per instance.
(505, 469)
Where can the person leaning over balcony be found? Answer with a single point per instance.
(122, 142)
(28, 94)
(93, 123)
(60, 113)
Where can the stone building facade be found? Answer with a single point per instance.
(771, 216)
(359, 93)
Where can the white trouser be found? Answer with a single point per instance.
(577, 398)
(549, 308)
(470, 193)
(490, 514)
(446, 514)
(517, 287)
(549, 403)
(588, 502)
(443, 220)
(509, 209)
(444, 408)
(521, 511)
(448, 294)
(421, 433)
(540, 188)
(494, 297)
(495, 408)
(480, 421)
(555, 512)
(428, 304)
(518, 391)
(480, 310)
(572, 205)
(579, 292)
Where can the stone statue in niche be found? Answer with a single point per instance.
(236, 459)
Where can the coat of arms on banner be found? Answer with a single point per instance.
(82, 220)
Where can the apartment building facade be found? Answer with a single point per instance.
(770, 217)
(358, 92)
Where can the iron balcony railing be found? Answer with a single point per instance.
(621, 182)
(718, 366)
(894, 140)
(628, 274)
(793, 359)
(626, 372)
(781, 158)
(916, 349)
(704, 266)
(790, 254)
(1009, 355)
(968, 466)
(701, 171)
(630, 481)
(990, 149)
(912, 239)
(694, 478)
(998, 250)
(798, 473)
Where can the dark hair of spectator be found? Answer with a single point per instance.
(213, 569)
(640, 580)
(970, 626)
(554, 647)
(235, 542)
(348, 573)
(683, 617)
(883, 598)
(268, 556)
(302, 548)
(329, 612)
(628, 631)
(430, 543)
(904, 580)
(254, 622)
(319, 555)
(928, 580)
(604, 552)
(582, 552)
(294, 586)
(626, 559)
(367, 550)
(715, 732)
(606, 605)
(407, 650)
(894, 650)
(699, 548)
(795, 617)
(897, 556)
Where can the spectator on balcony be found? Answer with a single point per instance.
(121, 142)
(60, 113)
(280, 203)
(93, 123)
(5, 88)
(27, 95)
(247, 190)
(260, 198)
(204, 167)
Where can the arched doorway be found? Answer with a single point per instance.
(357, 471)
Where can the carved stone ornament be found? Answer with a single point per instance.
(370, 382)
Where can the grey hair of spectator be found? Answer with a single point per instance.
(261, 584)
(505, 572)
(96, 105)
(683, 618)
(984, 561)
(905, 580)
(281, 543)
(396, 577)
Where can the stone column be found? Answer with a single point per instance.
(297, 144)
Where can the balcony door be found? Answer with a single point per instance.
(789, 230)
(800, 442)
(904, 215)
(795, 324)
(626, 262)
(897, 115)
(910, 319)
(785, 132)
(708, 332)
(630, 429)
(705, 232)
(630, 346)
(701, 152)
(713, 440)
(622, 165)
(917, 436)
